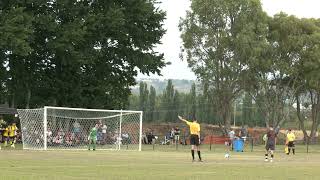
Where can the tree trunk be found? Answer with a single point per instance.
(226, 115)
(314, 116)
(267, 119)
(12, 105)
(301, 120)
(28, 98)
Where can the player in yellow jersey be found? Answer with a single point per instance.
(194, 136)
(290, 141)
(5, 136)
(12, 134)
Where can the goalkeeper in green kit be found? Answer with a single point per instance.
(92, 138)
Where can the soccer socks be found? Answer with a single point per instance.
(192, 153)
(93, 143)
(289, 149)
(89, 145)
(271, 156)
(199, 155)
(293, 151)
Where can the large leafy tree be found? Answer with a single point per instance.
(79, 53)
(307, 75)
(272, 85)
(15, 32)
(220, 38)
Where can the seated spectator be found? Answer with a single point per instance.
(49, 136)
(144, 138)
(104, 134)
(125, 138)
(59, 139)
(77, 130)
(176, 135)
(172, 135)
(69, 139)
(150, 137)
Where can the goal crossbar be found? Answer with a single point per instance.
(96, 110)
(106, 117)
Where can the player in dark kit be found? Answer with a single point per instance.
(270, 144)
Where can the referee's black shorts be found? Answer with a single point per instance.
(194, 139)
(291, 144)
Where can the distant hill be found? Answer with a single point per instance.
(179, 84)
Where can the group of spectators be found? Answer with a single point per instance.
(76, 134)
(172, 137)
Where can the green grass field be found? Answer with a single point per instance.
(148, 164)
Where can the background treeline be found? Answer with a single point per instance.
(166, 105)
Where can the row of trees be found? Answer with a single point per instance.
(79, 53)
(167, 105)
(234, 47)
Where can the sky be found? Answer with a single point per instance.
(171, 41)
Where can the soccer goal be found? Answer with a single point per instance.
(51, 128)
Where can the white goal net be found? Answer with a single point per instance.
(68, 128)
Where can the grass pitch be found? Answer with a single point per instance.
(83, 165)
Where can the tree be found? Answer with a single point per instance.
(276, 77)
(192, 102)
(69, 56)
(167, 102)
(176, 104)
(152, 103)
(144, 99)
(15, 32)
(307, 74)
(220, 37)
(247, 109)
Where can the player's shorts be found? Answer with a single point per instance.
(194, 139)
(228, 142)
(176, 137)
(270, 146)
(5, 137)
(291, 144)
(12, 137)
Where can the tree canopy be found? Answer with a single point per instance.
(76, 53)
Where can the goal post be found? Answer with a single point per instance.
(63, 128)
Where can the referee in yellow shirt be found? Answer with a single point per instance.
(290, 141)
(194, 136)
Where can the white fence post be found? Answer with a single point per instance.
(140, 131)
(120, 131)
(45, 127)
